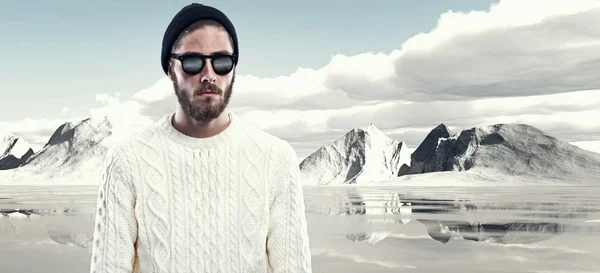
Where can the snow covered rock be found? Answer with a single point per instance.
(511, 149)
(13, 151)
(361, 156)
(71, 156)
(427, 157)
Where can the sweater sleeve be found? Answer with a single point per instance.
(115, 229)
(287, 242)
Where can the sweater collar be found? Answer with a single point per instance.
(166, 124)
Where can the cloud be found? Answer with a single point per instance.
(65, 110)
(512, 50)
(105, 98)
(302, 90)
(568, 116)
(593, 146)
(532, 62)
(393, 114)
(126, 117)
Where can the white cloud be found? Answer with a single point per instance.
(126, 117)
(512, 50)
(110, 100)
(568, 116)
(161, 90)
(593, 146)
(65, 110)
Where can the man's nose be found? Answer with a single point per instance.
(208, 74)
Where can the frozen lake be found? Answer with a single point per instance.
(355, 229)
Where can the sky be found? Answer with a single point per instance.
(318, 68)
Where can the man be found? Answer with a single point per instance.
(201, 190)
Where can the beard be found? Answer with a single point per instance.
(203, 109)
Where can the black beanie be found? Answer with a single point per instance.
(185, 17)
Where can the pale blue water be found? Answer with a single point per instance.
(374, 229)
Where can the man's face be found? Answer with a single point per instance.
(207, 40)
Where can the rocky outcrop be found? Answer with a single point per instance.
(512, 149)
(427, 157)
(14, 151)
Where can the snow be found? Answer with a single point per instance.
(363, 155)
(495, 155)
(72, 155)
(13, 151)
(476, 178)
(501, 154)
(12, 145)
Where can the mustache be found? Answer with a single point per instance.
(208, 87)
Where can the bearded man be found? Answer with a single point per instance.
(201, 190)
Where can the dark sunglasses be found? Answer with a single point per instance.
(193, 63)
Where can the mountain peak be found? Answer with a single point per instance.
(369, 129)
(441, 126)
(13, 151)
(87, 126)
(362, 155)
(511, 149)
(71, 141)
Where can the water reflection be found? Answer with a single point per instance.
(359, 229)
(508, 221)
(32, 226)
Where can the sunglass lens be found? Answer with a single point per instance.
(192, 64)
(222, 65)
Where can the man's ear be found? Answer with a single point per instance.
(170, 72)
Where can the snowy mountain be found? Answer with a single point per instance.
(13, 151)
(515, 150)
(361, 156)
(501, 154)
(71, 156)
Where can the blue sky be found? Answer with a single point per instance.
(61, 53)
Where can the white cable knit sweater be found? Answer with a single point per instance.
(171, 203)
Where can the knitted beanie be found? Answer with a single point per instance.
(185, 17)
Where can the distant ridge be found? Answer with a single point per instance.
(498, 154)
(72, 155)
(512, 149)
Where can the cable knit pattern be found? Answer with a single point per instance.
(234, 223)
(115, 226)
(178, 216)
(158, 198)
(233, 202)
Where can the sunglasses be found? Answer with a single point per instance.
(193, 63)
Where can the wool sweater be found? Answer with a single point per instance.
(170, 203)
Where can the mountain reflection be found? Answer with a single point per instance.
(370, 215)
(445, 218)
(33, 226)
